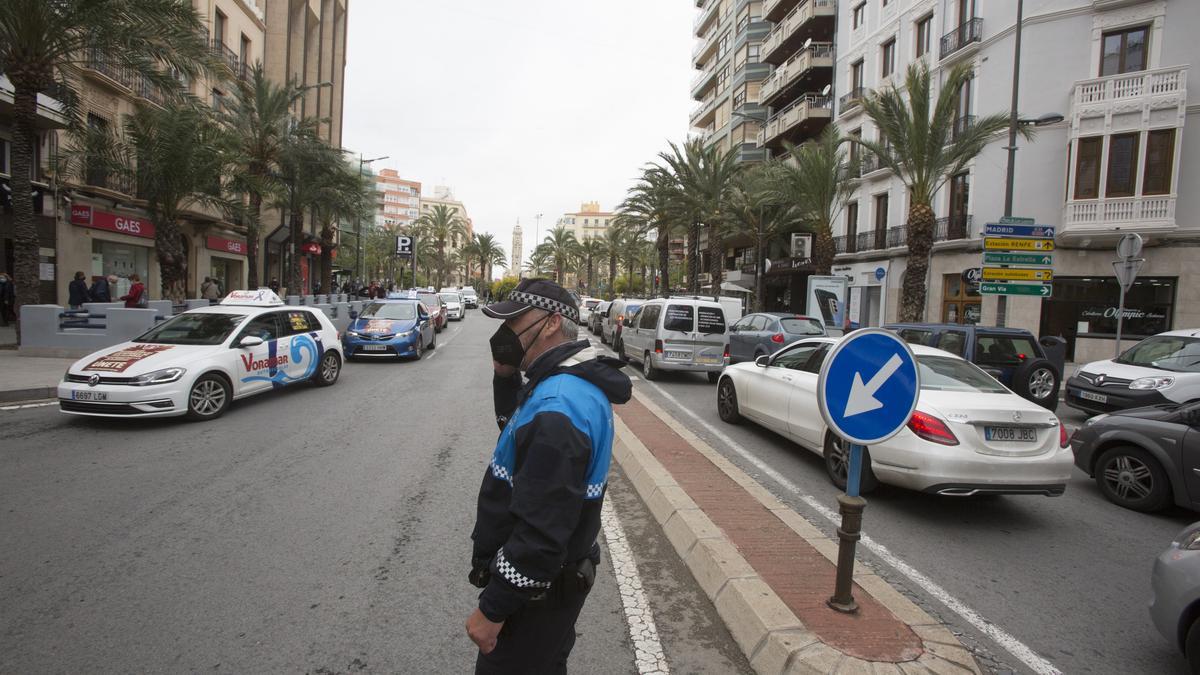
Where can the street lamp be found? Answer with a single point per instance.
(358, 219)
(537, 224)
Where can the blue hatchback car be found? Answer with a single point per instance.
(393, 328)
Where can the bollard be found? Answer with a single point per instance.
(848, 533)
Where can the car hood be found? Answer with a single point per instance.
(974, 407)
(453, 305)
(130, 359)
(1110, 368)
(381, 326)
(1153, 412)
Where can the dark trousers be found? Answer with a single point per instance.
(536, 640)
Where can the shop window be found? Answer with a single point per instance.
(1122, 165)
(1087, 167)
(1160, 155)
(961, 302)
(1124, 51)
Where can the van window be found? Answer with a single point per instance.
(917, 336)
(953, 341)
(649, 316)
(1003, 350)
(711, 320)
(680, 318)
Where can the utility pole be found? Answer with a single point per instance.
(1013, 122)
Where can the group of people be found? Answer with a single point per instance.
(102, 289)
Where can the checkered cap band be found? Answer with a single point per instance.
(505, 569)
(548, 304)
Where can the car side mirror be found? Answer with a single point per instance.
(734, 329)
(250, 341)
(353, 315)
(762, 361)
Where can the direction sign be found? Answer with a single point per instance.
(1026, 259)
(404, 246)
(868, 386)
(1127, 271)
(1006, 230)
(1017, 274)
(1016, 220)
(1009, 244)
(1130, 245)
(1040, 290)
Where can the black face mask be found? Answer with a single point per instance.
(506, 344)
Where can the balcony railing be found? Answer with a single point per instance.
(226, 54)
(803, 108)
(868, 163)
(800, 15)
(1157, 82)
(950, 228)
(817, 55)
(1155, 210)
(852, 99)
(132, 80)
(960, 126)
(706, 14)
(970, 31)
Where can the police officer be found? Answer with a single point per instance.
(538, 515)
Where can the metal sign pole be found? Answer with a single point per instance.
(851, 507)
(1120, 321)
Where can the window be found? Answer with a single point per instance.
(219, 28)
(917, 336)
(814, 362)
(680, 318)
(739, 99)
(859, 15)
(887, 63)
(244, 53)
(961, 302)
(953, 341)
(298, 321)
(1160, 153)
(881, 212)
(924, 35)
(649, 318)
(1003, 350)
(4, 150)
(710, 320)
(796, 357)
(856, 75)
(722, 79)
(1087, 167)
(1122, 165)
(851, 221)
(723, 45)
(1124, 51)
(217, 98)
(960, 197)
(854, 151)
(263, 326)
(1087, 307)
(752, 53)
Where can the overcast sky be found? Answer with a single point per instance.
(521, 107)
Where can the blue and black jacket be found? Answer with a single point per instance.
(539, 505)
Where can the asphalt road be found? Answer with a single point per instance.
(1068, 577)
(308, 530)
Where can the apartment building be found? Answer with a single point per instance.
(589, 221)
(444, 196)
(1114, 165)
(398, 200)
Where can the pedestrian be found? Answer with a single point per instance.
(8, 299)
(274, 285)
(538, 511)
(209, 290)
(100, 290)
(137, 296)
(77, 291)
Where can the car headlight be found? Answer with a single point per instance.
(1190, 541)
(164, 376)
(403, 335)
(353, 334)
(1152, 383)
(1092, 420)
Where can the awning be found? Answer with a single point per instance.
(730, 286)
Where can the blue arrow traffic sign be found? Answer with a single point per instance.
(1009, 230)
(868, 386)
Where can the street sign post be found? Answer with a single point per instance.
(1017, 274)
(1040, 290)
(1016, 249)
(1022, 259)
(1006, 230)
(1126, 269)
(1011, 244)
(867, 391)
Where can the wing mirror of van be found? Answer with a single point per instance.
(762, 361)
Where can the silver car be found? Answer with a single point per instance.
(1175, 606)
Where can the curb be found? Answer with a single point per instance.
(771, 636)
(32, 394)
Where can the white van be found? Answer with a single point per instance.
(680, 333)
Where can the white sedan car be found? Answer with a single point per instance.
(968, 435)
(199, 361)
(456, 308)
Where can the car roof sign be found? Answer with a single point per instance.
(263, 297)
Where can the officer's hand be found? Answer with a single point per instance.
(503, 370)
(482, 631)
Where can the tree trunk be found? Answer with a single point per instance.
(327, 244)
(920, 241)
(664, 267)
(172, 259)
(591, 266)
(25, 232)
(612, 277)
(760, 276)
(693, 263)
(296, 228)
(716, 258)
(823, 250)
(252, 281)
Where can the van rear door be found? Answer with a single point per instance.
(678, 327)
(710, 337)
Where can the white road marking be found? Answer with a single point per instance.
(1001, 637)
(648, 652)
(23, 406)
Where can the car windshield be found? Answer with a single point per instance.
(395, 311)
(430, 299)
(946, 373)
(193, 329)
(1165, 352)
(802, 326)
(449, 297)
(590, 304)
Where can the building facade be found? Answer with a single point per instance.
(517, 259)
(588, 222)
(397, 200)
(1114, 165)
(444, 196)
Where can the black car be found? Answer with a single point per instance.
(1145, 458)
(1013, 356)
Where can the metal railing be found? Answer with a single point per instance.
(868, 163)
(226, 54)
(952, 228)
(800, 15)
(969, 31)
(796, 65)
(960, 125)
(852, 99)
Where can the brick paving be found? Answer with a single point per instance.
(797, 572)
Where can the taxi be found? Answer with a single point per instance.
(196, 363)
(393, 327)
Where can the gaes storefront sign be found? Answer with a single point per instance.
(227, 245)
(86, 216)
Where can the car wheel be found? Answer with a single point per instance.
(1191, 647)
(1038, 381)
(727, 402)
(419, 348)
(208, 398)
(648, 370)
(433, 341)
(1132, 478)
(713, 378)
(603, 340)
(621, 355)
(837, 463)
(328, 370)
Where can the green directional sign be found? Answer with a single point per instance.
(1015, 220)
(1039, 290)
(996, 258)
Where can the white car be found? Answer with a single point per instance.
(456, 309)
(1160, 369)
(199, 361)
(968, 435)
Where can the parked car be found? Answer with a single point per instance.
(437, 308)
(586, 305)
(969, 435)
(470, 297)
(631, 319)
(198, 362)
(682, 334)
(614, 316)
(1160, 369)
(390, 328)
(1011, 355)
(767, 332)
(597, 316)
(1175, 604)
(455, 308)
(1144, 459)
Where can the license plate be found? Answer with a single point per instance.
(1089, 396)
(375, 348)
(1018, 434)
(711, 360)
(679, 355)
(89, 395)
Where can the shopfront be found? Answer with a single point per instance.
(866, 298)
(226, 262)
(44, 221)
(1085, 309)
(104, 243)
(961, 301)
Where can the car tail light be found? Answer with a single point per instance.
(777, 338)
(658, 347)
(1063, 439)
(726, 355)
(931, 429)
(620, 318)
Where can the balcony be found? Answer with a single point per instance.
(706, 48)
(803, 118)
(869, 163)
(702, 115)
(970, 32)
(809, 20)
(775, 10)
(1154, 213)
(798, 71)
(707, 14)
(852, 100)
(129, 79)
(950, 228)
(960, 125)
(1164, 87)
(702, 82)
(225, 54)
(953, 228)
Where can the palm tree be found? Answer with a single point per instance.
(760, 212)
(562, 248)
(43, 45)
(656, 199)
(539, 262)
(345, 194)
(490, 254)
(306, 164)
(610, 246)
(924, 149)
(468, 254)
(443, 225)
(590, 249)
(705, 177)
